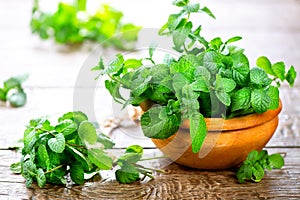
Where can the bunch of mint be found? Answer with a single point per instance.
(253, 168)
(71, 23)
(73, 149)
(210, 79)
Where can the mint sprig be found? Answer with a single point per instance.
(72, 23)
(73, 148)
(253, 168)
(13, 92)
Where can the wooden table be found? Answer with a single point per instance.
(269, 27)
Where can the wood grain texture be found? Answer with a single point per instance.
(177, 182)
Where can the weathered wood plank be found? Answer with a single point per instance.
(177, 182)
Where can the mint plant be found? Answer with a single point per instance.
(72, 23)
(210, 79)
(13, 92)
(73, 150)
(253, 168)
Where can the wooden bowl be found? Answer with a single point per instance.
(227, 143)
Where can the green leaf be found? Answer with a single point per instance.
(181, 34)
(260, 101)
(241, 99)
(29, 182)
(291, 76)
(276, 161)
(66, 127)
(30, 138)
(2, 95)
(77, 173)
(211, 61)
(76, 116)
(223, 97)
(190, 8)
(11, 83)
(132, 154)
(41, 178)
(127, 174)
(114, 66)
(105, 140)
(87, 132)
(197, 131)
(225, 84)
(100, 159)
(79, 157)
(273, 93)
(155, 127)
(216, 43)
(233, 39)
(258, 172)
(42, 157)
(207, 11)
(202, 72)
(57, 144)
(100, 65)
(114, 90)
(279, 70)
(29, 169)
(200, 85)
(180, 3)
(240, 68)
(17, 99)
(265, 64)
(259, 77)
(16, 168)
(132, 64)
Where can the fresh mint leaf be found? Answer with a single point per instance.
(100, 159)
(241, 99)
(197, 130)
(211, 61)
(57, 144)
(259, 77)
(77, 173)
(127, 174)
(279, 70)
(17, 99)
(105, 140)
(155, 127)
(202, 72)
(253, 168)
(181, 34)
(180, 3)
(240, 68)
(190, 8)
(273, 93)
(114, 89)
(42, 156)
(233, 39)
(223, 97)
(276, 161)
(87, 132)
(225, 84)
(132, 154)
(208, 12)
(216, 43)
(291, 76)
(41, 178)
(265, 64)
(66, 127)
(200, 85)
(16, 168)
(260, 100)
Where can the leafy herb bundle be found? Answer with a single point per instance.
(12, 91)
(253, 168)
(73, 147)
(211, 78)
(71, 24)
